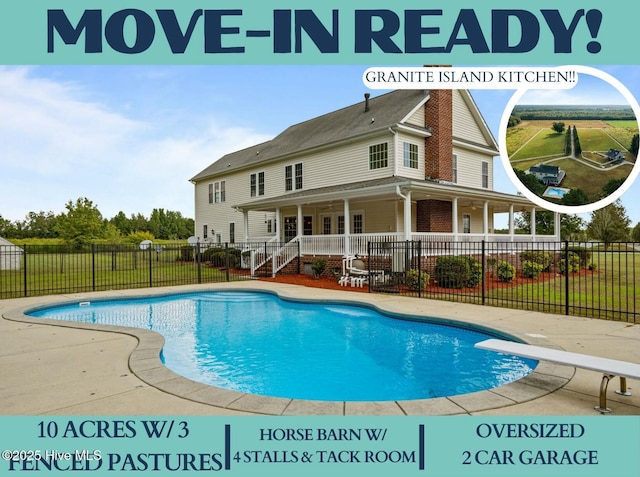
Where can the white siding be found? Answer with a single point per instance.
(465, 126)
(470, 168)
(417, 118)
(408, 171)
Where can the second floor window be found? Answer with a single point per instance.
(410, 154)
(293, 177)
(257, 184)
(485, 175)
(378, 156)
(454, 171)
(217, 192)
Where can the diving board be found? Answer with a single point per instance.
(609, 367)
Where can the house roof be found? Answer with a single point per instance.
(385, 111)
(545, 169)
(386, 186)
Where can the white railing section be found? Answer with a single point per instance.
(311, 245)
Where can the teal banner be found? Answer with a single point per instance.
(306, 32)
(320, 446)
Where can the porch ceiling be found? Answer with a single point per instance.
(387, 189)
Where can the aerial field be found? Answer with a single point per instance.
(534, 142)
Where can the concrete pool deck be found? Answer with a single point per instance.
(66, 369)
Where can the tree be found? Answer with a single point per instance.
(634, 145)
(612, 186)
(575, 197)
(82, 224)
(558, 127)
(41, 224)
(571, 226)
(609, 224)
(530, 182)
(635, 233)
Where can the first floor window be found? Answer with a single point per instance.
(378, 156)
(232, 232)
(466, 224)
(205, 231)
(326, 225)
(358, 223)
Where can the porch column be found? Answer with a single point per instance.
(533, 224)
(347, 227)
(407, 216)
(454, 213)
(299, 224)
(556, 226)
(485, 221)
(278, 224)
(511, 227)
(245, 221)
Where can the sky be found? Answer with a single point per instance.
(129, 137)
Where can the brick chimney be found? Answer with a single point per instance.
(438, 149)
(436, 215)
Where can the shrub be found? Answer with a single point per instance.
(536, 256)
(583, 254)
(318, 266)
(505, 271)
(457, 272)
(531, 269)
(186, 254)
(417, 281)
(573, 266)
(592, 266)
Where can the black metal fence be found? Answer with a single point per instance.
(583, 279)
(30, 270)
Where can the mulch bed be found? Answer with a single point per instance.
(491, 283)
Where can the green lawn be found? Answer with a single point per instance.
(596, 140)
(545, 143)
(610, 292)
(51, 273)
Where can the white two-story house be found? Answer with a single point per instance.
(404, 165)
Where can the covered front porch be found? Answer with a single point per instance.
(342, 220)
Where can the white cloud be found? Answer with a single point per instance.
(58, 144)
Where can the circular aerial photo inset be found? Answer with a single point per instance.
(572, 150)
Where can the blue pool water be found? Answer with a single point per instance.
(555, 192)
(260, 344)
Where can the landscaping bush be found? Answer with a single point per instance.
(583, 253)
(573, 266)
(531, 269)
(416, 281)
(186, 254)
(505, 271)
(217, 256)
(457, 272)
(536, 256)
(318, 266)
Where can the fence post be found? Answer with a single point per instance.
(482, 271)
(198, 262)
(419, 268)
(566, 277)
(226, 260)
(150, 267)
(93, 267)
(24, 247)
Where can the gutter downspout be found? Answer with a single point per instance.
(395, 151)
(407, 212)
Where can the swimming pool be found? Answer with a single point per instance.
(258, 343)
(558, 192)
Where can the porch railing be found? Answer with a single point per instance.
(356, 244)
